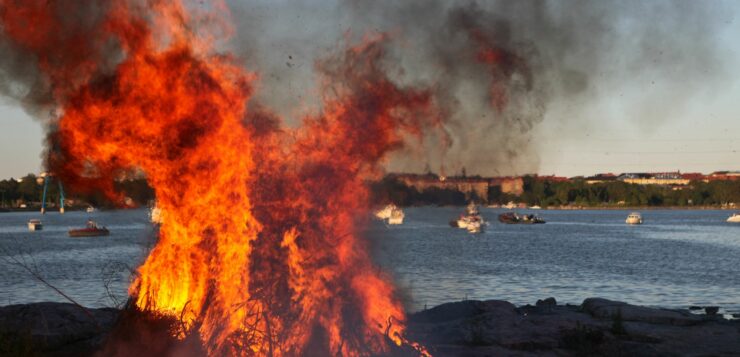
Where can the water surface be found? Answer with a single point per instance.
(676, 259)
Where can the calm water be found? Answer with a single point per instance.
(676, 259)
(78, 266)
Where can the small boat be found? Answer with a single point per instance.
(385, 213)
(391, 213)
(535, 207)
(155, 215)
(735, 218)
(35, 225)
(634, 218)
(470, 220)
(475, 226)
(396, 217)
(513, 218)
(91, 230)
(90, 209)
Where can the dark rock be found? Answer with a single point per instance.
(547, 302)
(711, 310)
(546, 305)
(599, 327)
(603, 308)
(467, 328)
(55, 329)
(463, 310)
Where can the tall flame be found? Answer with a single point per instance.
(258, 250)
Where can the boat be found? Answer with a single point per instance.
(535, 207)
(735, 218)
(385, 213)
(475, 226)
(90, 209)
(391, 213)
(634, 218)
(35, 225)
(155, 215)
(91, 230)
(396, 216)
(514, 218)
(470, 220)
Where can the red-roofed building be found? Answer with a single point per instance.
(693, 176)
(724, 176)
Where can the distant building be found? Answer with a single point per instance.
(601, 178)
(552, 178)
(693, 176)
(509, 185)
(656, 178)
(471, 186)
(724, 176)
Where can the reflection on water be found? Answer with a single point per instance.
(675, 259)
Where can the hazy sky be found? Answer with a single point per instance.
(661, 95)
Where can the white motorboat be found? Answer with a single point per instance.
(391, 213)
(475, 226)
(155, 215)
(35, 225)
(90, 209)
(470, 220)
(735, 218)
(385, 213)
(396, 216)
(634, 218)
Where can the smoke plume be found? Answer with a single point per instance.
(572, 63)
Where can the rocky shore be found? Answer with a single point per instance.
(468, 328)
(597, 327)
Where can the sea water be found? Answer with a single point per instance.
(677, 258)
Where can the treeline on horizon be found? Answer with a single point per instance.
(30, 192)
(536, 191)
(577, 192)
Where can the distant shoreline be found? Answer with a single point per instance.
(48, 210)
(597, 208)
(559, 208)
(642, 208)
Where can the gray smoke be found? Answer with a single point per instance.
(20, 81)
(568, 63)
(60, 47)
(656, 57)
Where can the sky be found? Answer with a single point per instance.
(660, 89)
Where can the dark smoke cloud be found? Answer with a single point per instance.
(572, 63)
(59, 44)
(583, 61)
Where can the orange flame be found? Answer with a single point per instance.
(258, 251)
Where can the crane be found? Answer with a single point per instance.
(45, 178)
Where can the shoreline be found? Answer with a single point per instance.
(639, 208)
(583, 208)
(471, 328)
(602, 208)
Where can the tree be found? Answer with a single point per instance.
(29, 189)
